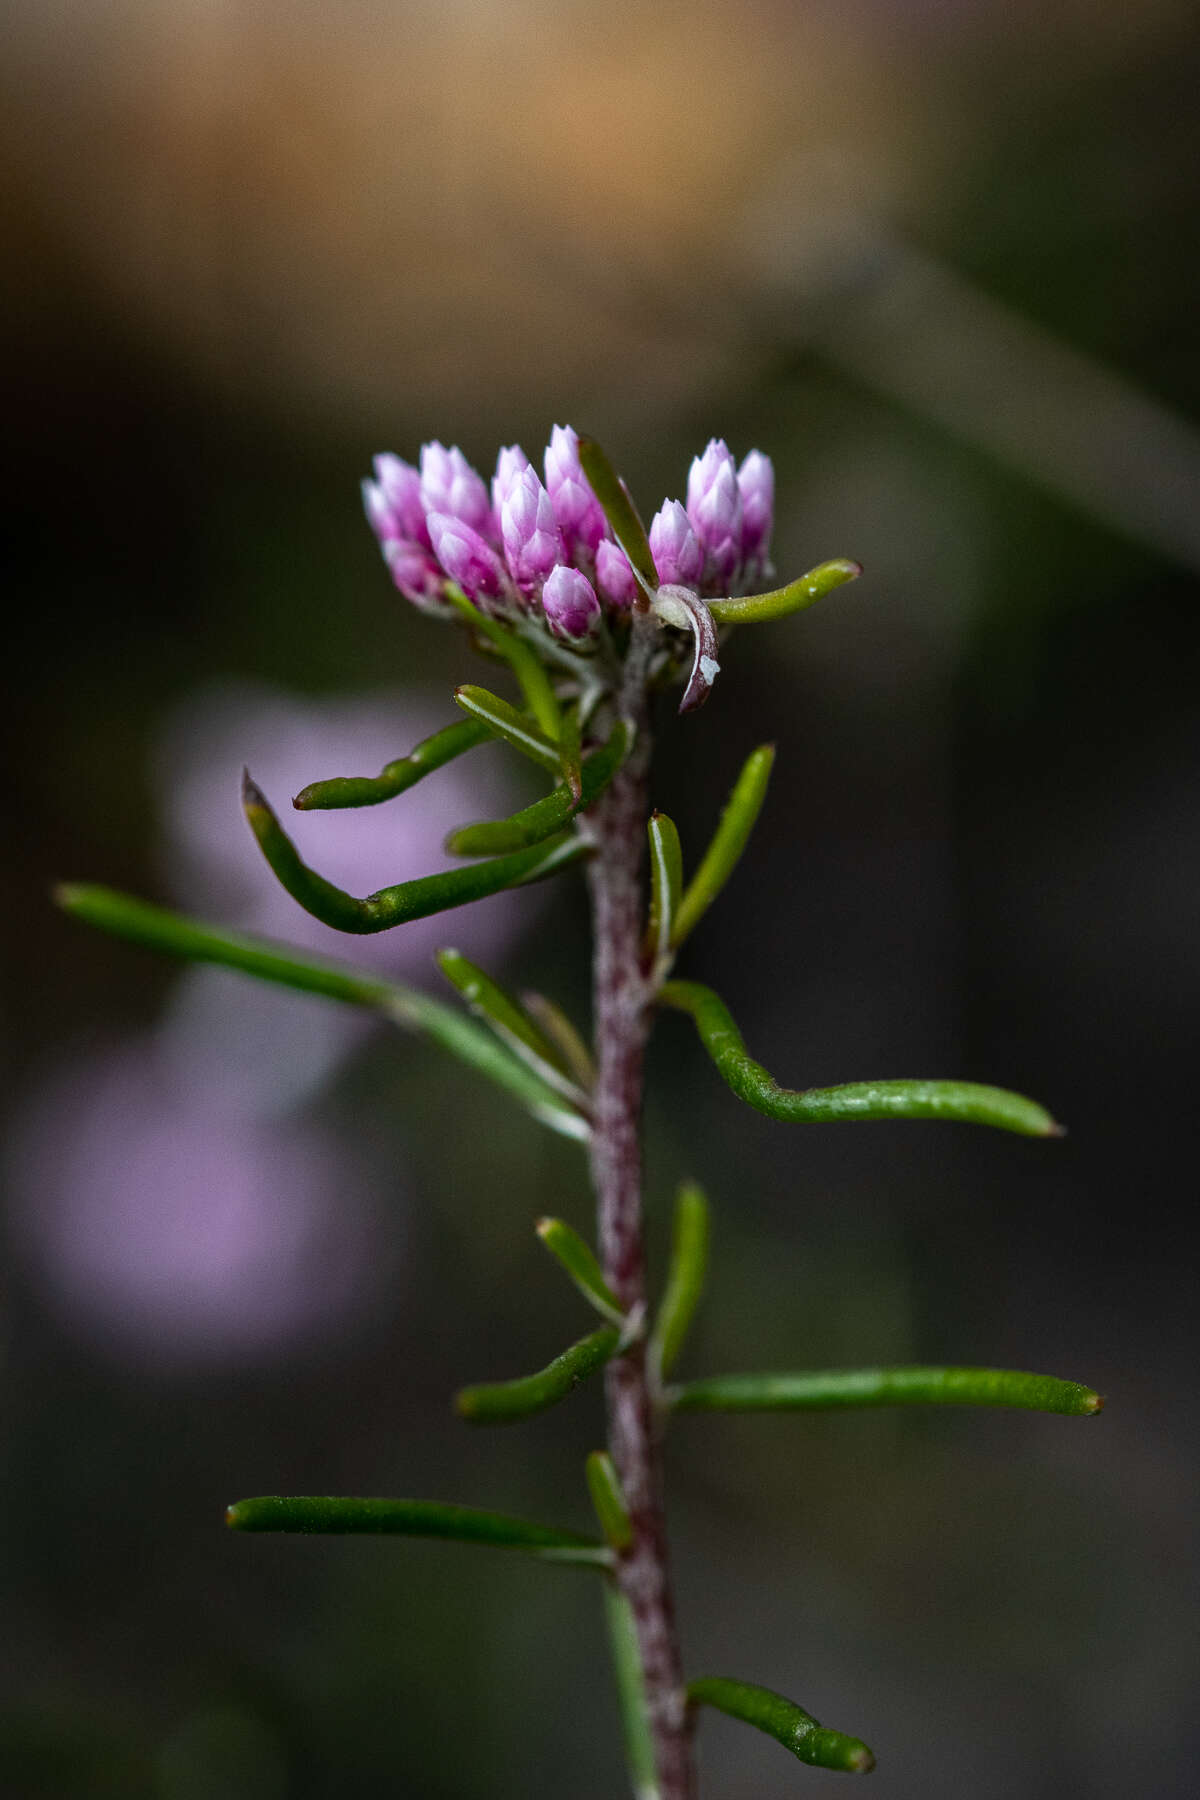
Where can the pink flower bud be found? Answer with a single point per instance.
(533, 544)
(469, 560)
(677, 551)
(714, 506)
(614, 577)
(570, 604)
(756, 484)
(401, 487)
(450, 485)
(417, 575)
(579, 513)
(509, 465)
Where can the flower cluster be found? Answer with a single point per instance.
(543, 551)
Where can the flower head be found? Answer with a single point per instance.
(542, 556)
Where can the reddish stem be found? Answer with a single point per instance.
(642, 1572)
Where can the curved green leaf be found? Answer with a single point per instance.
(333, 1514)
(511, 1024)
(501, 1402)
(757, 609)
(685, 1278)
(729, 840)
(617, 505)
(608, 1498)
(968, 1101)
(579, 1260)
(504, 721)
(533, 824)
(521, 658)
(170, 932)
(409, 900)
(783, 1720)
(666, 885)
(576, 1056)
(908, 1386)
(368, 790)
(631, 1694)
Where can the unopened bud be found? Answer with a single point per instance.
(570, 604)
(756, 484)
(450, 485)
(714, 506)
(533, 543)
(469, 560)
(677, 551)
(614, 577)
(579, 513)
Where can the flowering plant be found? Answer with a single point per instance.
(559, 583)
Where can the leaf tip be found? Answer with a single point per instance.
(860, 1761)
(253, 798)
(1055, 1130)
(1094, 1403)
(65, 894)
(233, 1516)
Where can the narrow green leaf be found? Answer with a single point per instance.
(504, 721)
(729, 840)
(618, 508)
(756, 609)
(559, 1029)
(409, 900)
(685, 1278)
(608, 1498)
(511, 1024)
(499, 1402)
(534, 824)
(329, 1514)
(967, 1101)
(631, 1694)
(368, 790)
(579, 1261)
(825, 1388)
(783, 1720)
(666, 885)
(159, 929)
(521, 658)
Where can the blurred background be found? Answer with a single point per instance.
(940, 261)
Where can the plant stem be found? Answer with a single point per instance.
(621, 1025)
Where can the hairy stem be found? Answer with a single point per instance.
(621, 1013)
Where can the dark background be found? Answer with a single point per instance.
(940, 262)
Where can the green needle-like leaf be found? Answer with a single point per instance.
(534, 824)
(757, 609)
(782, 1719)
(409, 900)
(967, 1101)
(521, 658)
(825, 1388)
(504, 721)
(335, 1515)
(685, 1278)
(729, 840)
(368, 790)
(631, 1694)
(604, 1485)
(579, 1261)
(500, 1402)
(159, 929)
(559, 1029)
(512, 1025)
(617, 505)
(666, 885)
